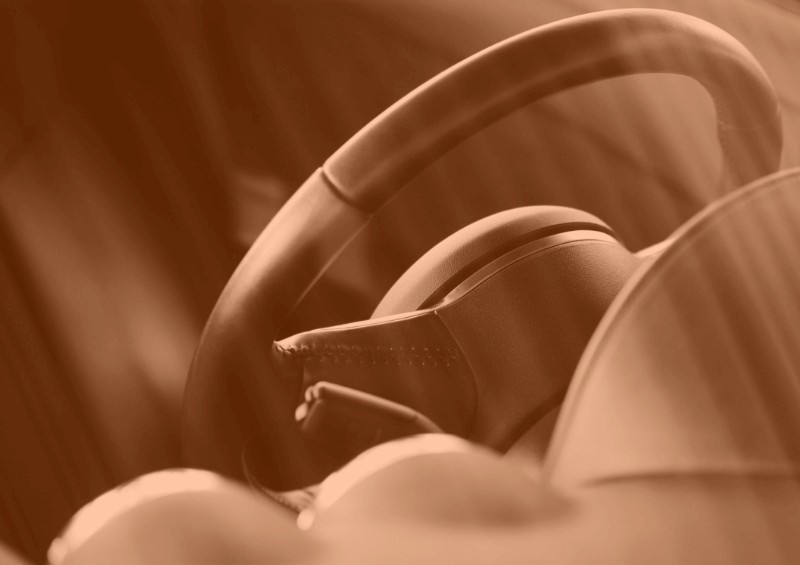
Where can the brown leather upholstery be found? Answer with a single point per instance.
(694, 369)
(685, 404)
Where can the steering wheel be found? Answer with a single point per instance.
(242, 385)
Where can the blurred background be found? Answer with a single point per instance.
(144, 144)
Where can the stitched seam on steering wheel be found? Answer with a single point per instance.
(724, 128)
(722, 133)
(372, 355)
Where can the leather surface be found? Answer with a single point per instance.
(472, 247)
(467, 509)
(523, 331)
(694, 370)
(410, 359)
(376, 162)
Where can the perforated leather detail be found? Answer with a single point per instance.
(378, 355)
(411, 360)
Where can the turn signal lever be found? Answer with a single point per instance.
(349, 421)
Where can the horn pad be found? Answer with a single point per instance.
(465, 252)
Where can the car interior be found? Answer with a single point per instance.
(565, 254)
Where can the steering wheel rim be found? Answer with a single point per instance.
(234, 390)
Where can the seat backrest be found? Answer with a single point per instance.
(696, 367)
(683, 420)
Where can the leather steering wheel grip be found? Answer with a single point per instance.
(235, 387)
(414, 132)
(483, 333)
